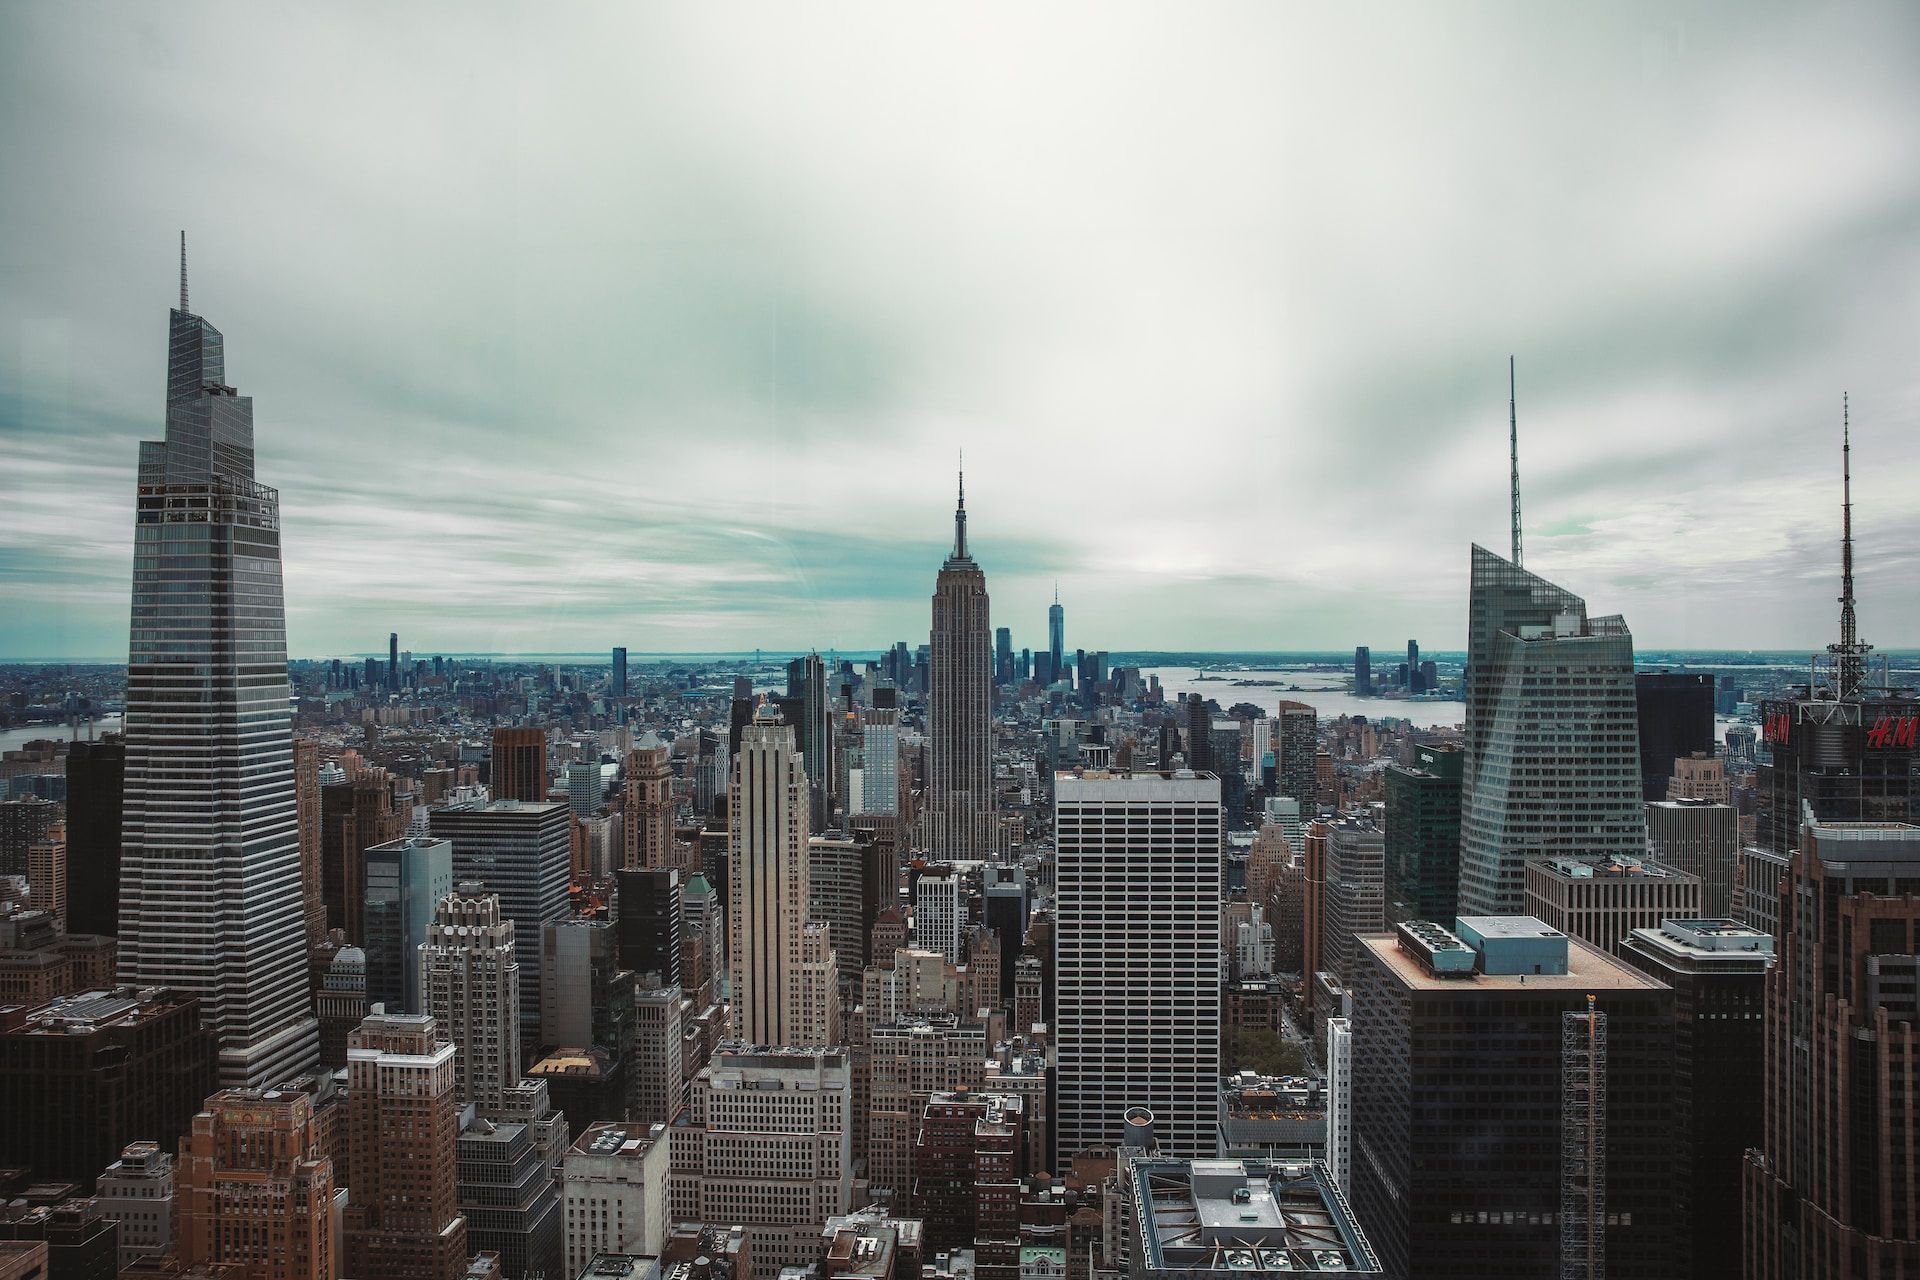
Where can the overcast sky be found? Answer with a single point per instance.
(663, 325)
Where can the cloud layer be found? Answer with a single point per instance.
(665, 325)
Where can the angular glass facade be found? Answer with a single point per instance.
(1553, 742)
(210, 893)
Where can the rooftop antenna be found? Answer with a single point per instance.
(960, 513)
(1513, 449)
(183, 269)
(1850, 655)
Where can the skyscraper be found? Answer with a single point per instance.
(94, 789)
(1362, 671)
(1003, 655)
(1675, 711)
(520, 764)
(1056, 636)
(210, 870)
(617, 686)
(1137, 1018)
(1481, 1146)
(1848, 748)
(393, 660)
(880, 753)
(470, 985)
(1830, 1192)
(1423, 835)
(1297, 745)
(403, 1219)
(520, 852)
(256, 1187)
(406, 879)
(1413, 667)
(959, 817)
(1552, 753)
(647, 833)
(767, 885)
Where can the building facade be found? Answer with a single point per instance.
(958, 814)
(1830, 1191)
(520, 852)
(210, 897)
(1137, 1009)
(1552, 762)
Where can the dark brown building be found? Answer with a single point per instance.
(95, 775)
(355, 815)
(84, 1075)
(520, 765)
(1832, 1189)
(967, 1166)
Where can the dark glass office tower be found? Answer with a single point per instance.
(1423, 836)
(95, 778)
(1676, 720)
(1553, 746)
(1362, 670)
(210, 897)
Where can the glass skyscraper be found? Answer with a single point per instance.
(1553, 744)
(210, 894)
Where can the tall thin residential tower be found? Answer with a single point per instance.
(959, 817)
(210, 890)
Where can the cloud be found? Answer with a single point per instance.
(665, 326)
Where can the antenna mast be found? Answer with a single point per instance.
(183, 270)
(1513, 448)
(1850, 655)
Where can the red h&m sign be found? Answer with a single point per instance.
(1778, 726)
(1893, 731)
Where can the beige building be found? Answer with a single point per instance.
(647, 804)
(783, 979)
(1604, 899)
(764, 1142)
(1700, 777)
(614, 1192)
(137, 1190)
(470, 985)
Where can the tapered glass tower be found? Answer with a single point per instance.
(959, 814)
(1552, 761)
(210, 897)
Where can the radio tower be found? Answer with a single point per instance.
(1513, 447)
(1850, 655)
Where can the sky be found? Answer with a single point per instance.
(666, 325)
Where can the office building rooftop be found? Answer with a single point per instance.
(1198, 1218)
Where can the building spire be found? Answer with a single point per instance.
(183, 269)
(960, 514)
(1513, 449)
(1850, 655)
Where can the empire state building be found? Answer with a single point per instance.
(958, 819)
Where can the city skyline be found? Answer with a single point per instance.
(560, 388)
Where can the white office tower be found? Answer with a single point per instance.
(767, 890)
(1340, 1102)
(137, 1190)
(1137, 957)
(937, 899)
(210, 897)
(880, 761)
(470, 985)
(614, 1185)
(766, 1144)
